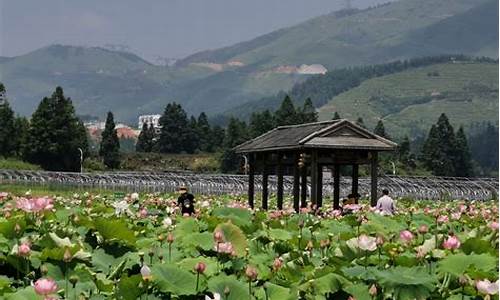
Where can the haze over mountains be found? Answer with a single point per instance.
(220, 80)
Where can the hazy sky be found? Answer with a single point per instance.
(168, 28)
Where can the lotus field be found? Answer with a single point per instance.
(92, 246)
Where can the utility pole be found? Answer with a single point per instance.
(81, 159)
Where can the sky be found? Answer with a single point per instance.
(151, 28)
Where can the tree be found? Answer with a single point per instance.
(439, 150)
(175, 131)
(336, 116)
(204, 132)
(144, 144)
(192, 143)
(463, 161)
(7, 126)
(110, 144)
(22, 127)
(404, 149)
(55, 135)
(236, 133)
(380, 130)
(286, 113)
(260, 123)
(360, 122)
(308, 113)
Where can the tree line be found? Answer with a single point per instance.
(55, 138)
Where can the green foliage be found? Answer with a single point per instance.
(176, 134)
(236, 133)
(8, 145)
(145, 141)
(110, 144)
(14, 164)
(171, 279)
(286, 113)
(260, 123)
(483, 143)
(55, 134)
(380, 130)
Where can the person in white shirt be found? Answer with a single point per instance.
(385, 205)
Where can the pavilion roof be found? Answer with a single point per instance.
(335, 134)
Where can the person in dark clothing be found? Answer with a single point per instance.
(185, 201)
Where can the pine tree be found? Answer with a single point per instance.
(110, 144)
(22, 127)
(260, 123)
(217, 137)
(175, 132)
(404, 150)
(204, 132)
(439, 150)
(336, 116)
(463, 161)
(308, 112)
(143, 143)
(7, 126)
(286, 113)
(236, 133)
(380, 130)
(360, 122)
(55, 135)
(192, 144)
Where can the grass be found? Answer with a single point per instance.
(411, 101)
(15, 164)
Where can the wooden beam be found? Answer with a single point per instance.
(314, 177)
(355, 180)
(336, 187)
(265, 185)
(251, 179)
(279, 191)
(303, 186)
(374, 178)
(296, 183)
(319, 191)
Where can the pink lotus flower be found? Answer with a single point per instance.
(226, 248)
(218, 236)
(24, 250)
(146, 272)
(277, 263)
(25, 204)
(251, 273)
(367, 243)
(456, 215)
(44, 203)
(336, 213)
(406, 236)
(451, 243)
(373, 290)
(143, 213)
(45, 286)
(442, 219)
(487, 287)
(3, 195)
(494, 226)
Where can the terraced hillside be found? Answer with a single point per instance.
(411, 101)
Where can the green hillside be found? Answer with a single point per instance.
(216, 81)
(411, 101)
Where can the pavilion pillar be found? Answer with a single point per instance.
(265, 186)
(279, 191)
(336, 186)
(374, 178)
(314, 177)
(303, 186)
(296, 182)
(355, 179)
(320, 187)
(251, 179)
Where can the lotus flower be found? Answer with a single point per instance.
(487, 287)
(45, 286)
(24, 250)
(373, 290)
(442, 219)
(494, 226)
(3, 195)
(205, 204)
(121, 207)
(218, 236)
(406, 236)
(451, 243)
(25, 204)
(44, 203)
(225, 248)
(367, 243)
(456, 215)
(167, 222)
(134, 196)
(146, 272)
(423, 229)
(277, 263)
(216, 297)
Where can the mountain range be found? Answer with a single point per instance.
(221, 80)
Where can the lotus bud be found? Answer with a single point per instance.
(151, 253)
(170, 238)
(160, 257)
(463, 280)
(251, 273)
(24, 250)
(301, 223)
(218, 236)
(309, 245)
(67, 255)
(17, 228)
(145, 273)
(277, 264)
(200, 267)
(379, 240)
(161, 238)
(44, 270)
(423, 229)
(227, 291)
(73, 279)
(373, 290)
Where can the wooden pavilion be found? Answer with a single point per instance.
(304, 150)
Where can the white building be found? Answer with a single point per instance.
(149, 119)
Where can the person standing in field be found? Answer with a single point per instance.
(385, 205)
(185, 201)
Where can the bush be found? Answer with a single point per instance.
(15, 164)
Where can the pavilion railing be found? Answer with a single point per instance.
(416, 187)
